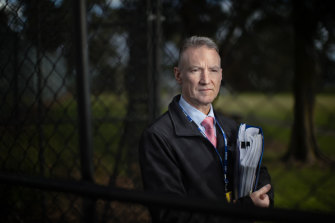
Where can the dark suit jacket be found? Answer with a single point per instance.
(177, 159)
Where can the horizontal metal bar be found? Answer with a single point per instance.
(216, 207)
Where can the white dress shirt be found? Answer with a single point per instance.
(196, 115)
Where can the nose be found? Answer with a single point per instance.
(204, 79)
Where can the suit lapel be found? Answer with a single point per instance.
(220, 141)
(181, 124)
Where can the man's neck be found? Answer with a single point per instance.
(203, 108)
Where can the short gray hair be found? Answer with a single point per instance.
(197, 41)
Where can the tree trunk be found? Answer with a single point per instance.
(303, 146)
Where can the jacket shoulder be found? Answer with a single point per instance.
(162, 124)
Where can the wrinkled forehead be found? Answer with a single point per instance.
(198, 55)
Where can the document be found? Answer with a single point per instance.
(250, 151)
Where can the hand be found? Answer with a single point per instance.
(260, 198)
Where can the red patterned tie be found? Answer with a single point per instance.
(208, 124)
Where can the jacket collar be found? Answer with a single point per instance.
(182, 126)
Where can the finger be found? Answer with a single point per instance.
(263, 196)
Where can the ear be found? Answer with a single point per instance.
(221, 74)
(177, 75)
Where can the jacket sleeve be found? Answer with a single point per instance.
(160, 174)
(264, 178)
(160, 171)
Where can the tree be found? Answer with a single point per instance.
(308, 17)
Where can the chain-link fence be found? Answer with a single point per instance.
(57, 125)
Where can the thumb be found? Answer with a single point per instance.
(264, 189)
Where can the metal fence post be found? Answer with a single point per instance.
(84, 106)
(154, 55)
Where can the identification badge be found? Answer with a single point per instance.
(228, 196)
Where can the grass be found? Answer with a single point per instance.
(303, 187)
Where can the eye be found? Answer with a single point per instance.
(215, 70)
(194, 70)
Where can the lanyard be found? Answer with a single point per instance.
(224, 163)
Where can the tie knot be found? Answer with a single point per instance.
(208, 122)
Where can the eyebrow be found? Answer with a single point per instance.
(215, 67)
(211, 67)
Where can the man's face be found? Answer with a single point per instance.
(199, 75)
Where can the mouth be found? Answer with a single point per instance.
(205, 90)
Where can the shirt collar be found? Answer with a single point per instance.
(196, 115)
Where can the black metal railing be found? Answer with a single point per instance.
(219, 208)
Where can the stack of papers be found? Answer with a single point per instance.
(250, 146)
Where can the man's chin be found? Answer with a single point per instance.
(206, 100)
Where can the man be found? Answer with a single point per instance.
(179, 156)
